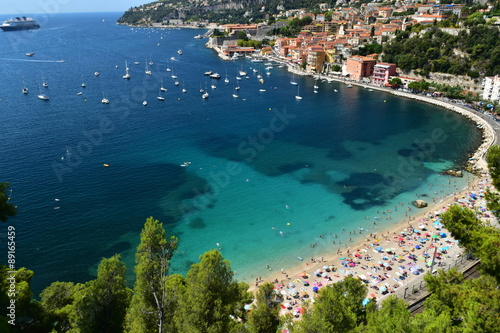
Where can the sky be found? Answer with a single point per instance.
(66, 6)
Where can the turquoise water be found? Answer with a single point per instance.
(258, 164)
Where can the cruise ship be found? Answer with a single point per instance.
(20, 23)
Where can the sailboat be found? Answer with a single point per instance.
(145, 103)
(160, 98)
(183, 88)
(25, 89)
(235, 95)
(161, 86)
(104, 100)
(293, 81)
(148, 72)
(127, 75)
(42, 96)
(205, 95)
(44, 83)
(298, 96)
(83, 83)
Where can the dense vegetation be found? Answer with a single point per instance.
(474, 51)
(224, 11)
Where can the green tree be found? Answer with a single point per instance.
(395, 81)
(57, 302)
(101, 305)
(6, 209)
(393, 316)
(212, 296)
(337, 309)
(147, 312)
(241, 34)
(264, 317)
(493, 160)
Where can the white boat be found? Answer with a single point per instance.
(315, 91)
(262, 90)
(235, 96)
(127, 75)
(335, 90)
(298, 96)
(176, 83)
(147, 71)
(208, 73)
(168, 69)
(238, 78)
(25, 90)
(268, 73)
(161, 86)
(316, 87)
(242, 73)
(215, 76)
(255, 70)
(30, 54)
(184, 90)
(96, 73)
(43, 97)
(104, 100)
(204, 96)
(349, 85)
(172, 58)
(79, 93)
(293, 81)
(83, 85)
(179, 52)
(261, 80)
(198, 37)
(213, 86)
(160, 98)
(145, 103)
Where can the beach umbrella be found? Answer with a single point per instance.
(326, 267)
(315, 289)
(292, 292)
(365, 301)
(418, 247)
(386, 264)
(283, 292)
(383, 288)
(324, 275)
(442, 234)
(379, 248)
(435, 236)
(362, 277)
(388, 250)
(248, 307)
(401, 239)
(343, 258)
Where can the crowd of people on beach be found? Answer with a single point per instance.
(385, 261)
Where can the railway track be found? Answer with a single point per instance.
(471, 272)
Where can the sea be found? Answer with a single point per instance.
(269, 179)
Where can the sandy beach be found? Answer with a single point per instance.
(389, 259)
(385, 260)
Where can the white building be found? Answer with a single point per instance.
(491, 90)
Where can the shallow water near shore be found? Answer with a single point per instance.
(268, 175)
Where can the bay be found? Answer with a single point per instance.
(268, 176)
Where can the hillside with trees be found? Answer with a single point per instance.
(223, 11)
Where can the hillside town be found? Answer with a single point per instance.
(331, 43)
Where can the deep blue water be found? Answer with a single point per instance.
(260, 163)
